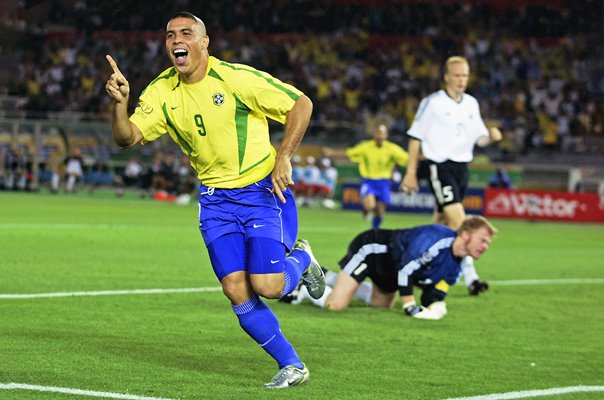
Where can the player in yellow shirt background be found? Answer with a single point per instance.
(377, 159)
(217, 113)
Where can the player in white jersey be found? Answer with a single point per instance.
(446, 128)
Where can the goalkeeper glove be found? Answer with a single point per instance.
(477, 287)
(418, 312)
(438, 308)
(411, 308)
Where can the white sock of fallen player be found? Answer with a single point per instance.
(469, 271)
(304, 295)
(331, 278)
(364, 292)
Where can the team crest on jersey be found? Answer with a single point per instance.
(146, 108)
(218, 99)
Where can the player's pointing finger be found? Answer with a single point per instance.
(113, 64)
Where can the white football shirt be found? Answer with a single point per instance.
(447, 129)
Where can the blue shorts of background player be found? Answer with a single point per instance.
(375, 194)
(380, 188)
(248, 232)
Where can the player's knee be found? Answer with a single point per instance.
(236, 294)
(335, 304)
(381, 303)
(268, 285)
(236, 289)
(268, 291)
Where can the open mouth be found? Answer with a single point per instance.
(180, 55)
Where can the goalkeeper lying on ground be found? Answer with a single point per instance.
(430, 257)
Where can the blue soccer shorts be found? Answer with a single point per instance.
(247, 228)
(380, 188)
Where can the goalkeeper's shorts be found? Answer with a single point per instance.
(368, 256)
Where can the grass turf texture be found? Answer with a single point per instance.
(189, 345)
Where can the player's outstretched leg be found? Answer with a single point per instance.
(289, 376)
(313, 277)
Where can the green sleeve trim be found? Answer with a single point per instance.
(292, 95)
(167, 75)
(214, 74)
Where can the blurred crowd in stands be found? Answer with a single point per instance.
(314, 184)
(164, 177)
(167, 177)
(538, 67)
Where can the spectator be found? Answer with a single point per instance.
(132, 176)
(344, 77)
(329, 179)
(500, 179)
(310, 182)
(185, 181)
(74, 169)
(297, 172)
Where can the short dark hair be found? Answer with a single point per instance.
(184, 14)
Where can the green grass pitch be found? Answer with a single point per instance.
(542, 335)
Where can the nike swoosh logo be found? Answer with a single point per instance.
(257, 226)
(274, 261)
(173, 107)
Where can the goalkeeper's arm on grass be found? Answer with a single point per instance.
(411, 308)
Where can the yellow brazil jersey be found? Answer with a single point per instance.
(377, 162)
(220, 121)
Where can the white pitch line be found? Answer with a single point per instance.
(546, 282)
(496, 396)
(81, 226)
(218, 288)
(109, 292)
(91, 393)
(13, 226)
(533, 393)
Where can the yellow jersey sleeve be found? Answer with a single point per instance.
(260, 91)
(148, 116)
(356, 153)
(399, 155)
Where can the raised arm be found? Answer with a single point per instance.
(125, 133)
(297, 121)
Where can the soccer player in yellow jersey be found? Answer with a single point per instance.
(217, 113)
(377, 159)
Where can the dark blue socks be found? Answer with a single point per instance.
(261, 324)
(293, 267)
